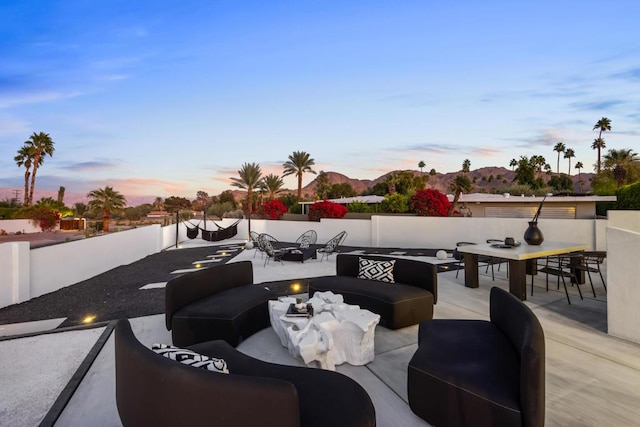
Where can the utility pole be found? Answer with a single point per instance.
(16, 195)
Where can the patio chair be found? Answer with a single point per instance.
(253, 236)
(332, 245)
(481, 259)
(561, 266)
(272, 254)
(261, 239)
(307, 239)
(591, 261)
(478, 372)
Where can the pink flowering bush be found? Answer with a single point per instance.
(429, 202)
(272, 209)
(326, 209)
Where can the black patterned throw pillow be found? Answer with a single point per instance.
(191, 358)
(376, 270)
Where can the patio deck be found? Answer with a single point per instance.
(592, 378)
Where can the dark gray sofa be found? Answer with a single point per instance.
(219, 302)
(478, 372)
(152, 390)
(404, 303)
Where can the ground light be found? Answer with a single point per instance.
(295, 287)
(89, 319)
(198, 265)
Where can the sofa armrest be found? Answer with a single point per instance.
(191, 287)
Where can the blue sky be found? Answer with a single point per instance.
(161, 98)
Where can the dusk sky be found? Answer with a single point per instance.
(162, 98)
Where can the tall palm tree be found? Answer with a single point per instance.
(598, 144)
(569, 154)
(421, 165)
(559, 148)
(458, 185)
(299, 162)
(603, 125)
(272, 184)
(579, 166)
(513, 163)
(25, 158)
(42, 145)
(107, 201)
(249, 178)
(466, 166)
(158, 203)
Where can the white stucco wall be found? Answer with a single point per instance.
(14, 273)
(57, 266)
(21, 225)
(623, 292)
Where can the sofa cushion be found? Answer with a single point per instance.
(191, 358)
(376, 270)
(372, 289)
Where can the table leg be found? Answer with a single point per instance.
(518, 278)
(574, 262)
(471, 271)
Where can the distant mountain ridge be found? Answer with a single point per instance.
(439, 181)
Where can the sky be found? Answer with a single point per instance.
(167, 98)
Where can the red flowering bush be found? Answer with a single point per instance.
(272, 209)
(45, 218)
(429, 202)
(326, 209)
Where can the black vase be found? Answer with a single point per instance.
(533, 236)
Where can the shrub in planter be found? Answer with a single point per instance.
(326, 209)
(429, 202)
(272, 209)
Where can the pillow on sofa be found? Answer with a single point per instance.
(191, 358)
(376, 270)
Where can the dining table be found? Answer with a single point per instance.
(521, 258)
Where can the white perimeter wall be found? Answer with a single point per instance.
(21, 225)
(57, 266)
(623, 270)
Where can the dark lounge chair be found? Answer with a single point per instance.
(481, 373)
(152, 390)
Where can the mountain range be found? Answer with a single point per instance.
(495, 178)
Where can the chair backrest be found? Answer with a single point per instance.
(521, 326)
(307, 239)
(268, 248)
(264, 237)
(456, 254)
(335, 241)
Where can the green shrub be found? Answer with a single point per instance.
(395, 203)
(629, 197)
(359, 207)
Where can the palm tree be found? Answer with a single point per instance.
(41, 145)
(79, 209)
(157, 203)
(250, 177)
(421, 165)
(513, 163)
(432, 172)
(299, 162)
(272, 184)
(579, 166)
(603, 125)
(25, 158)
(107, 201)
(458, 185)
(598, 144)
(568, 154)
(559, 148)
(619, 161)
(466, 166)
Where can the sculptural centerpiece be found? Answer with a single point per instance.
(533, 235)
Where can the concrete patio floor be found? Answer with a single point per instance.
(592, 378)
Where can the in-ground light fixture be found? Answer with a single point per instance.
(89, 319)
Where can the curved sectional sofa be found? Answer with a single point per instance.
(406, 302)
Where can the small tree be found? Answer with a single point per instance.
(395, 203)
(429, 202)
(326, 209)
